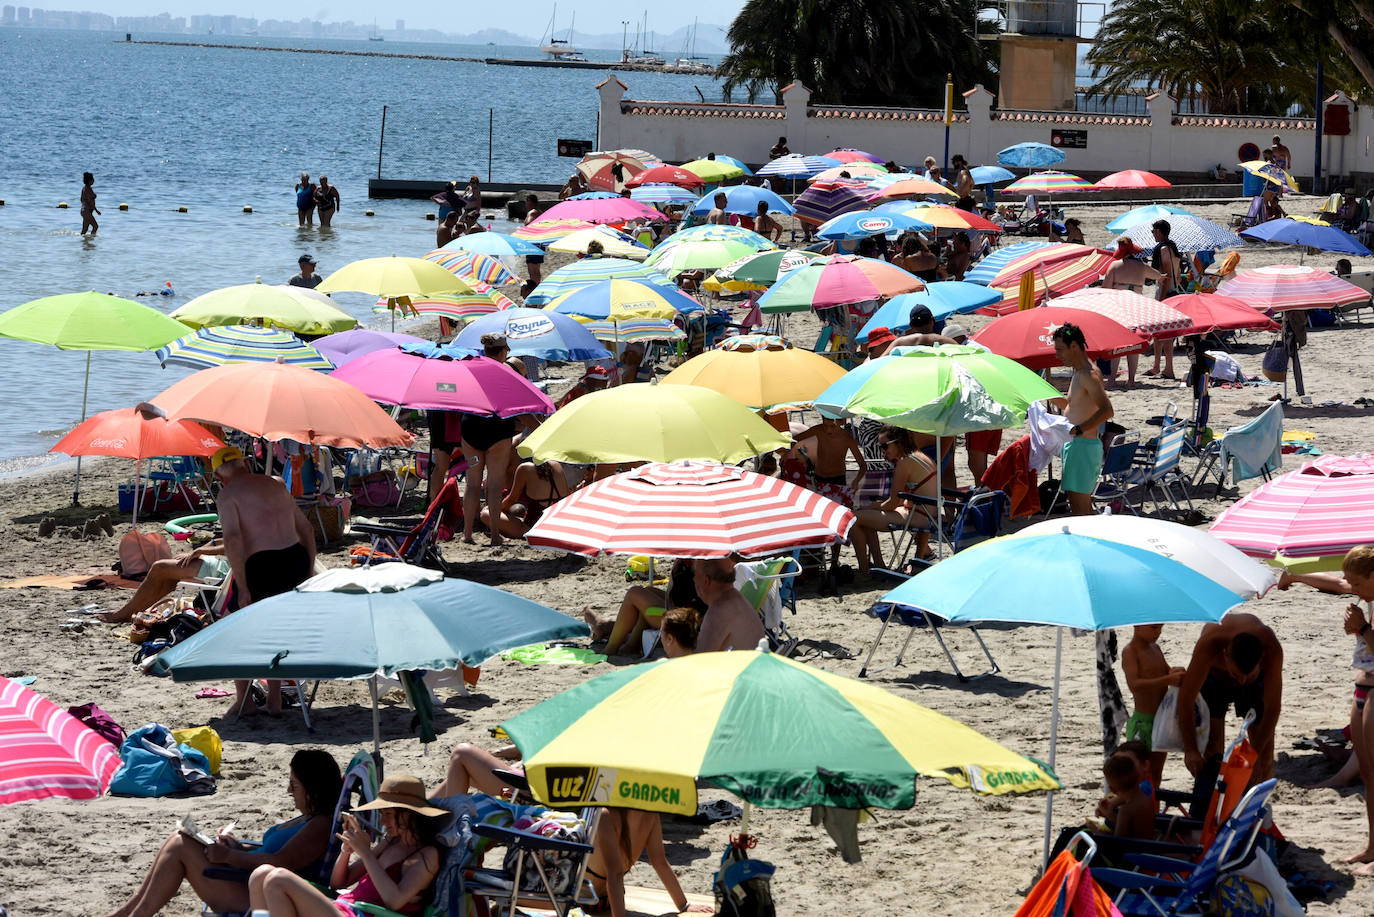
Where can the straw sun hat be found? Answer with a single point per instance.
(402, 792)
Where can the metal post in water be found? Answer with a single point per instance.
(380, 141)
(491, 129)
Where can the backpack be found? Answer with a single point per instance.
(743, 887)
(99, 722)
(153, 764)
(138, 551)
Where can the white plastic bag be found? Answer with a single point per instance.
(1166, 736)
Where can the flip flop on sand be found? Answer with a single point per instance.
(213, 692)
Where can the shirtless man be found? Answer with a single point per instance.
(1128, 273)
(963, 184)
(447, 229)
(834, 444)
(731, 623)
(1088, 408)
(1283, 157)
(1236, 662)
(1165, 260)
(269, 543)
(717, 214)
(921, 322)
(765, 225)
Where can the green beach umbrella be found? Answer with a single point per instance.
(279, 306)
(713, 171)
(776, 733)
(90, 321)
(672, 258)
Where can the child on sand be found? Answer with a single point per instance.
(1148, 677)
(1132, 810)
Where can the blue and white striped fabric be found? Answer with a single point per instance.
(662, 193)
(795, 165)
(985, 271)
(240, 344)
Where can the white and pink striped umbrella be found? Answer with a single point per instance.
(46, 752)
(1323, 509)
(1145, 316)
(691, 509)
(1279, 287)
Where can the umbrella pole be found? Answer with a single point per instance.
(85, 387)
(377, 724)
(939, 504)
(138, 481)
(744, 818)
(1054, 742)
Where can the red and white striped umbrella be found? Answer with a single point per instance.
(1279, 287)
(1145, 316)
(1321, 510)
(1058, 268)
(691, 509)
(44, 751)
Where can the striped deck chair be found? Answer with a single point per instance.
(1158, 472)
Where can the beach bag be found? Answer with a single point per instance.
(1275, 363)
(138, 551)
(99, 722)
(153, 764)
(560, 866)
(743, 887)
(1166, 736)
(204, 740)
(376, 489)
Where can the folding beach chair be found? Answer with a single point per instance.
(1254, 449)
(1158, 471)
(1252, 217)
(417, 544)
(1112, 488)
(762, 587)
(1067, 886)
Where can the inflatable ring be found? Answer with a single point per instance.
(183, 525)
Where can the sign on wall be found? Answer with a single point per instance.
(1073, 140)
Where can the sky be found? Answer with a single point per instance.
(523, 17)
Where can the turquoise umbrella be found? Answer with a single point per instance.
(1065, 580)
(365, 622)
(1147, 214)
(942, 297)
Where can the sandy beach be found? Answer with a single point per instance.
(952, 854)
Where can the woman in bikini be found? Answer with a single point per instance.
(326, 201)
(394, 872)
(534, 490)
(645, 606)
(88, 209)
(622, 837)
(913, 472)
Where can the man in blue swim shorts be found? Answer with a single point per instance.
(1088, 408)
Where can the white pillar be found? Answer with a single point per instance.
(981, 149)
(1161, 110)
(611, 91)
(796, 99)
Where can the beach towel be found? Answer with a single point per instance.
(1255, 447)
(1111, 704)
(1048, 434)
(543, 654)
(75, 582)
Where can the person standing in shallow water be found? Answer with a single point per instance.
(88, 209)
(326, 201)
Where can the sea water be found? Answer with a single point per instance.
(216, 130)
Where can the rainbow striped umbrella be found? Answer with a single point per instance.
(847, 155)
(835, 281)
(587, 271)
(633, 330)
(1280, 287)
(473, 266)
(1048, 182)
(46, 752)
(240, 344)
(795, 165)
(662, 193)
(826, 200)
(1323, 509)
(715, 171)
(1145, 315)
(545, 230)
(462, 306)
(1058, 268)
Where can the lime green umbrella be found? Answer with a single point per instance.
(90, 321)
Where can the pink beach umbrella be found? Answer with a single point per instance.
(1146, 316)
(847, 155)
(1323, 509)
(1279, 287)
(602, 210)
(475, 385)
(46, 752)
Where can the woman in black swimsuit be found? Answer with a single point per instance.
(326, 201)
(488, 443)
(534, 490)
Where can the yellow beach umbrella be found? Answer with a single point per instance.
(398, 279)
(713, 171)
(762, 379)
(613, 243)
(645, 422)
(275, 306)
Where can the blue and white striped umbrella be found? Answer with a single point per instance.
(240, 344)
(662, 193)
(795, 165)
(865, 223)
(985, 271)
(588, 271)
(1189, 233)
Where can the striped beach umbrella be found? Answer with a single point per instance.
(859, 171)
(691, 509)
(715, 171)
(623, 298)
(836, 281)
(826, 200)
(609, 742)
(1323, 509)
(1190, 233)
(1057, 269)
(912, 186)
(675, 256)
(1145, 315)
(1279, 287)
(46, 752)
(986, 270)
(587, 271)
(1049, 182)
(240, 344)
(482, 301)
(795, 165)
(847, 155)
(940, 216)
(662, 193)
(496, 244)
(633, 330)
(543, 231)
(473, 266)
(596, 166)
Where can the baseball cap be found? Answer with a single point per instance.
(224, 454)
(305, 259)
(955, 330)
(920, 315)
(879, 336)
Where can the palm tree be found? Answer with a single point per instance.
(857, 52)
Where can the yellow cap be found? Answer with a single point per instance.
(224, 454)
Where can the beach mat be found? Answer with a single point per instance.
(77, 582)
(639, 902)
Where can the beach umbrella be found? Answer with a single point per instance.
(279, 306)
(138, 434)
(533, 333)
(1056, 269)
(640, 422)
(662, 193)
(1063, 580)
(760, 270)
(397, 279)
(913, 186)
(814, 739)
(365, 622)
(826, 200)
(1322, 510)
(671, 175)
(729, 160)
(89, 321)
(763, 378)
(1200, 551)
(433, 380)
(592, 196)
(867, 172)
(613, 242)
(484, 300)
(1027, 336)
(990, 175)
(240, 344)
(835, 281)
(277, 401)
(740, 199)
(863, 224)
(1145, 315)
(610, 210)
(1280, 287)
(1030, 155)
(848, 155)
(1049, 182)
(343, 346)
(607, 300)
(691, 509)
(692, 254)
(1321, 236)
(1132, 178)
(795, 165)
(1190, 233)
(596, 166)
(714, 232)
(1214, 312)
(989, 268)
(472, 266)
(590, 270)
(633, 330)
(943, 298)
(1270, 173)
(940, 216)
(48, 753)
(715, 171)
(496, 244)
(1147, 214)
(544, 231)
